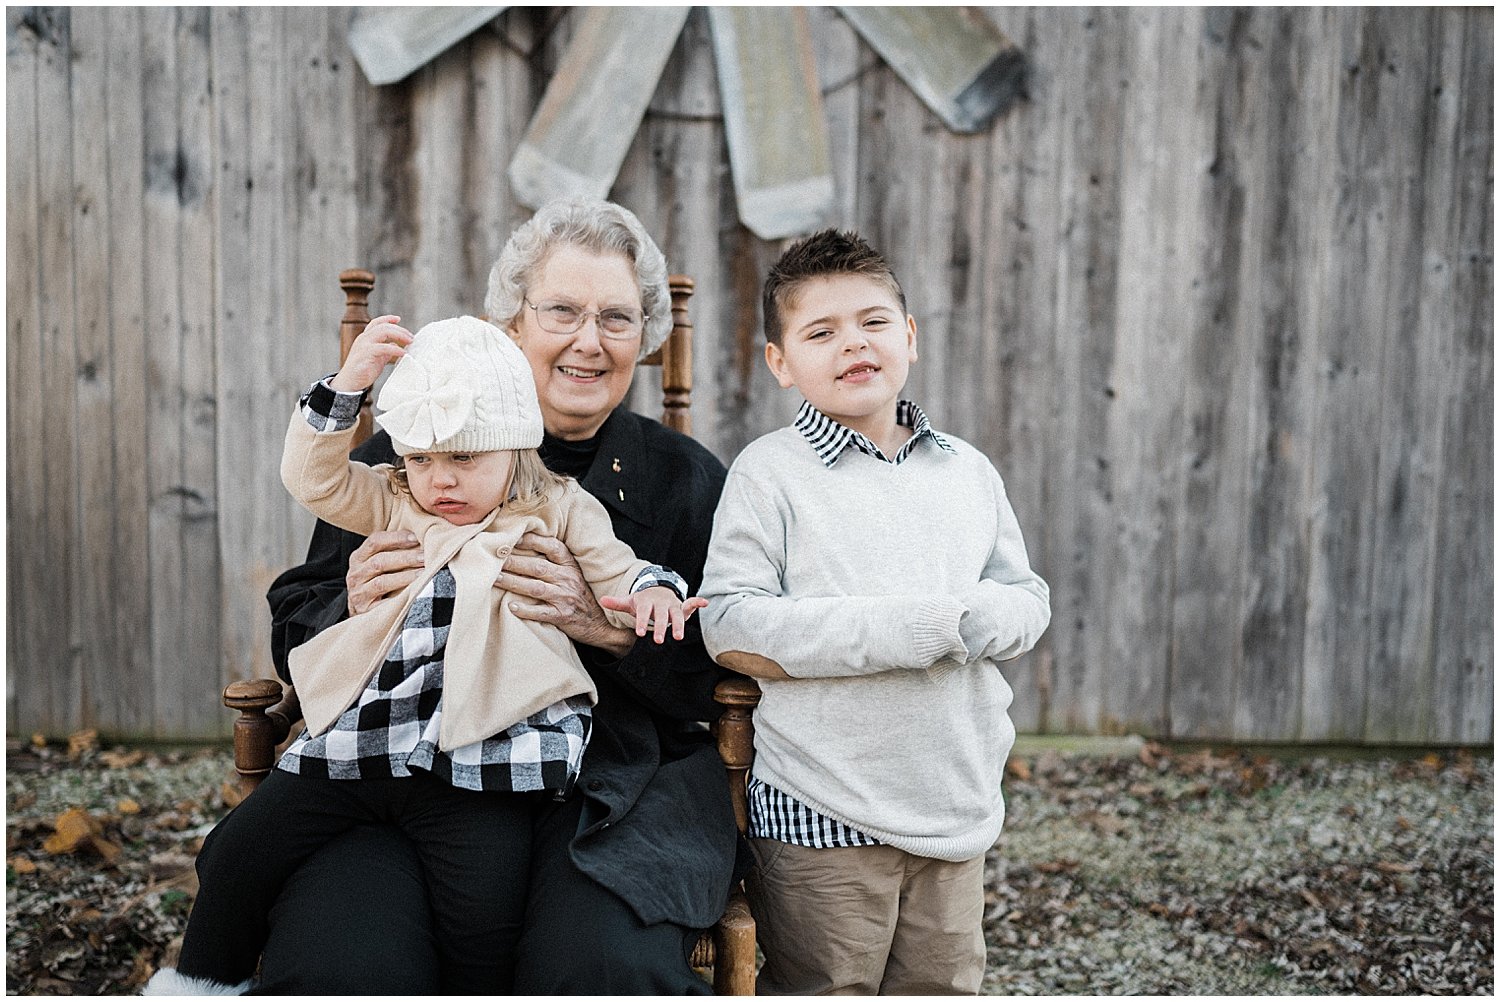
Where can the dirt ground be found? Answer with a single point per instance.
(1124, 868)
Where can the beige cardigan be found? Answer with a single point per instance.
(498, 668)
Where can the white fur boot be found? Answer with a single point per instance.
(168, 982)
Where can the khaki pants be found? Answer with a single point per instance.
(866, 920)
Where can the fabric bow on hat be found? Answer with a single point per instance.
(419, 414)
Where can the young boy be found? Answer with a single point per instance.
(870, 572)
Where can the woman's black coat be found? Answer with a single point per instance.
(657, 828)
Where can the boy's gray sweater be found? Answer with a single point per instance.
(889, 593)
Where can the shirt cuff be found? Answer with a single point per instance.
(327, 409)
(656, 574)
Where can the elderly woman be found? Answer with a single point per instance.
(622, 873)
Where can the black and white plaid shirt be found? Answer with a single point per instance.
(393, 728)
(778, 815)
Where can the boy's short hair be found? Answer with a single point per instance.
(827, 252)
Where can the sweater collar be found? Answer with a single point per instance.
(829, 438)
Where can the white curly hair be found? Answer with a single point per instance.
(593, 224)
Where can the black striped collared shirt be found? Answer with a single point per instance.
(829, 439)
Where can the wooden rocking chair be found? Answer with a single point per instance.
(267, 714)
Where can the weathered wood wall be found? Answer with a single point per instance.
(1217, 300)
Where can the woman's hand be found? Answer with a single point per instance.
(382, 342)
(384, 564)
(655, 608)
(547, 574)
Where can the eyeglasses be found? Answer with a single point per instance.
(618, 323)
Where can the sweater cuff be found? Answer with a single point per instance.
(936, 631)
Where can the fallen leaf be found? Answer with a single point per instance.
(38, 740)
(107, 850)
(1018, 768)
(1107, 824)
(119, 758)
(20, 864)
(80, 742)
(1385, 867)
(1058, 866)
(128, 806)
(72, 828)
(1141, 790)
(230, 794)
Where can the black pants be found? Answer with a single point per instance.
(472, 849)
(577, 937)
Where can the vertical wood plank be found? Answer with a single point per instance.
(59, 622)
(29, 678)
(207, 418)
(1336, 652)
(1143, 431)
(320, 235)
(1463, 620)
(1218, 319)
(172, 599)
(999, 275)
(841, 62)
(250, 55)
(1298, 96)
(691, 211)
(445, 158)
(1091, 76)
(93, 549)
(128, 665)
(502, 98)
(1399, 677)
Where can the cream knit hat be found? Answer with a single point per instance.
(462, 386)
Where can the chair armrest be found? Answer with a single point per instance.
(266, 717)
(735, 732)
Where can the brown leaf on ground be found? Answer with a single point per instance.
(20, 864)
(1018, 768)
(80, 742)
(71, 829)
(107, 850)
(230, 794)
(74, 829)
(119, 758)
(127, 806)
(1151, 753)
(39, 740)
(1108, 824)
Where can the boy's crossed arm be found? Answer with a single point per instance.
(751, 628)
